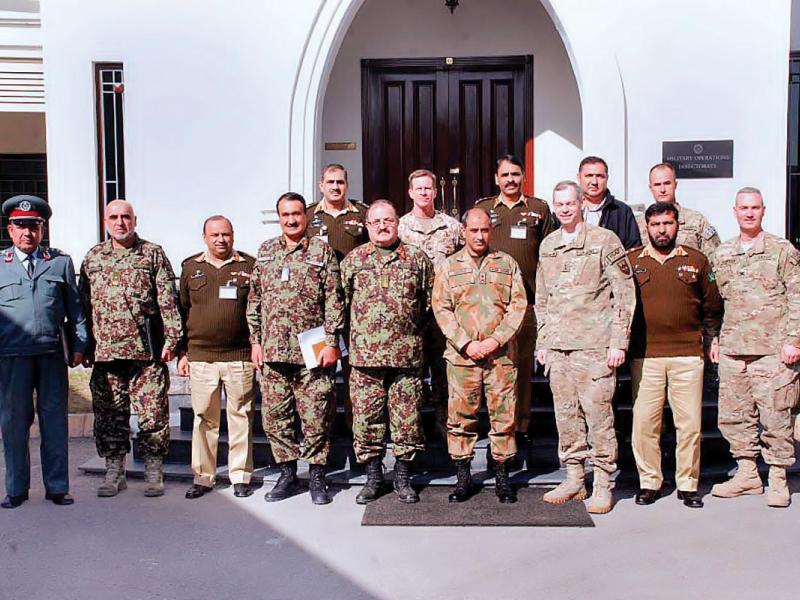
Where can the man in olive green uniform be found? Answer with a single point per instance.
(585, 301)
(758, 275)
(295, 287)
(388, 289)
(479, 301)
(519, 224)
(341, 223)
(694, 230)
(128, 293)
(438, 235)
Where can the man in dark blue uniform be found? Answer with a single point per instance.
(42, 329)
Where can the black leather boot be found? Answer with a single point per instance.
(286, 485)
(316, 485)
(374, 486)
(463, 491)
(505, 493)
(402, 482)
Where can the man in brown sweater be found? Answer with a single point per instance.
(214, 289)
(677, 319)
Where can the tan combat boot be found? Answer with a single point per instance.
(572, 488)
(114, 480)
(746, 481)
(602, 500)
(778, 495)
(153, 477)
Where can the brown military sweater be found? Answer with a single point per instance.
(216, 328)
(518, 231)
(678, 308)
(343, 231)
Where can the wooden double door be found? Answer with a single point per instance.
(453, 116)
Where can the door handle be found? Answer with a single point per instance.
(454, 173)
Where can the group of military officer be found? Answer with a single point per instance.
(476, 301)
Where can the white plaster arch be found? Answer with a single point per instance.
(591, 54)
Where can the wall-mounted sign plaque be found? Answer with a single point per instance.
(340, 145)
(700, 160)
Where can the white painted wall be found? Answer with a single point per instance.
(207, 94)
(795, 28)
(420, 28)
(22, 133)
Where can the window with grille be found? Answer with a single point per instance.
(110, 97)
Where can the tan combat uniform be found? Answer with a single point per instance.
(473, 302)
(761, 291)
(694, 230)
(518, 231)
(440, 239)
(585, 301)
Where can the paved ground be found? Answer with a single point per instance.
(170, 548)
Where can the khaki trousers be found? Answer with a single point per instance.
(207, 380)
(681, 377)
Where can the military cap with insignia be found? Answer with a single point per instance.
(27, 208)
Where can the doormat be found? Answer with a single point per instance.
(482, 510)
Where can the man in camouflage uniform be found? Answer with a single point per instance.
(295, 286)
(342, 224)
(758, 275)
(519, 224)
(128, 293)
(694, 230)
(439, 236)
(585, 300)
(479, 301)
(388, 289)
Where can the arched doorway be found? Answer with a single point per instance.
(572, 114)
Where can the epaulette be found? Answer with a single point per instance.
(188, 258)
(359, 205)
(487, 198)
(246, 255)
(50, 251)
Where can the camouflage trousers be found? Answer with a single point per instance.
(755, 389)
(526, 359)
(468, 385)
(119, 385)
(381, 396)
(435, 344)
(286, 389)
(583, 386)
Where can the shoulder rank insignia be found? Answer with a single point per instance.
(9, 256)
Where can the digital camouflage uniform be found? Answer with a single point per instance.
(389, 299)
(292, 291)
(694, 230)
(131, 305)
(760, 288)
(442, 239)
(474, 303)
(585, 301)
(518, 231)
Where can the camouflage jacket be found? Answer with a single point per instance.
(389, 300)
(694, 230)
(292, 291)
(130, 301)
(760, 288)
(440, 241)
(585, 295)
(473, 303)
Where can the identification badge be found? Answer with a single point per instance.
(324, 238)
(519, 233)
(228, 292)
(384, 280)
(285, 274)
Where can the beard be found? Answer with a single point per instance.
(664, 243)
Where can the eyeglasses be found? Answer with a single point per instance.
(382, 222)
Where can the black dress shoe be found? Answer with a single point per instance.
(645, 496)
(60, 498)
(197, 491)
(691, 499)
(14, 501)
(242, 490)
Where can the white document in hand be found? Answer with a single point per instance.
(312, 342)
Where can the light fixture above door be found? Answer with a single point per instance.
(451, 4)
